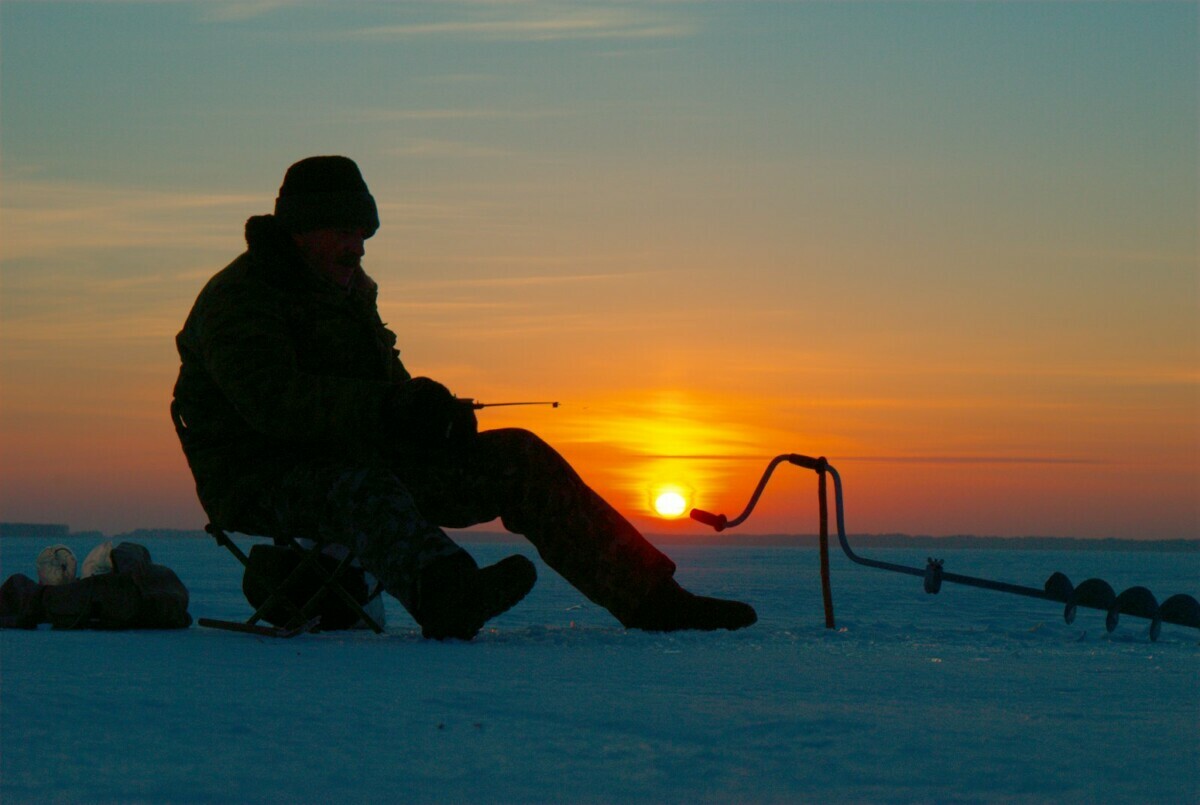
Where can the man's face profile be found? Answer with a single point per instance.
(337, 252)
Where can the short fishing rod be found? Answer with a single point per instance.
(476, 405)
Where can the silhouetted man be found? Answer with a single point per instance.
(297, 416)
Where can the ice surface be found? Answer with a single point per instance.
(967, 696)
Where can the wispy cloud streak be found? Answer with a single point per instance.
(239, 10)
(214, 10)
(386, 115)
(527, 281)
(970, 460)
(42, 219)
(536, 22)
(446, 149)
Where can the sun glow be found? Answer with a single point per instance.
(670, 502)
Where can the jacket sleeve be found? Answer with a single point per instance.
(244, 344)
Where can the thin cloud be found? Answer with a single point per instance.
(396, 115)
(554, 262)
(213, 10)
(654, 437)
(447, 149)
(408, 213)
(410, 306)
(787, 362)
(527, 281)
(42, 219)
(970, 460)
(51, 328)
(239, 10)
(536, 23)
(707, 456)
(521, 325)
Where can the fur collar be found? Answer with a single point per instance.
(265, 235)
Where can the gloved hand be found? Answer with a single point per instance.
(463, 427)
(421, 416)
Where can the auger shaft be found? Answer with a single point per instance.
(1182, 610)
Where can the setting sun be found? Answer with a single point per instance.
(670, 503)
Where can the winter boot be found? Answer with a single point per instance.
(455, 597)
(671, 608)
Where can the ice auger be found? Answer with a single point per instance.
(1180, 609)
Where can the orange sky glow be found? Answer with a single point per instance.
(951, 247)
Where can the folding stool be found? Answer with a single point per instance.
(303, 617)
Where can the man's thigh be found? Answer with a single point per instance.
(483, 482)
(335, 503)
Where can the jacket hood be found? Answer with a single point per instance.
(264, 233)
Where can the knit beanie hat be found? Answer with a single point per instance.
(325, 193)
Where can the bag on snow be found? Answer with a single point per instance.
(137, 594)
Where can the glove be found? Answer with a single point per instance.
(421, 416)
(463, 426)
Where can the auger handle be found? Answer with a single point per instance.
(720, 522)
(716, 522)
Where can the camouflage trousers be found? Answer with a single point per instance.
(392, 517)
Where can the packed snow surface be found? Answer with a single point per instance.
(965, 696)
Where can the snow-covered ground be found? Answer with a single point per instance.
(966, 696)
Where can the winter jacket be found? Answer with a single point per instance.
(279, 365)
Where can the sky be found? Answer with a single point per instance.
(950, 246)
